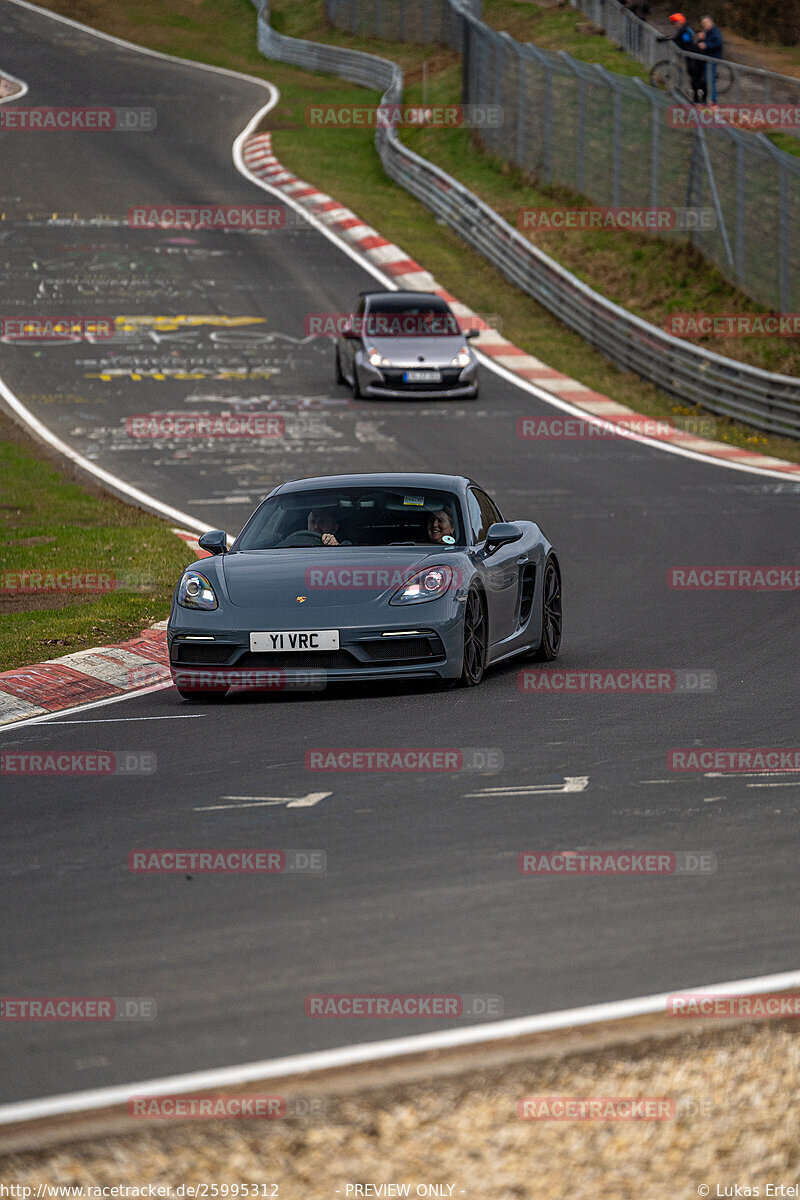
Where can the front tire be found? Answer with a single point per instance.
(340, 379)
(551, 612)
(475, 640)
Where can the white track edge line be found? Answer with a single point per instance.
(143, 499)
(366, 1052)
(12, 726)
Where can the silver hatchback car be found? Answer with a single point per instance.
(406, 345)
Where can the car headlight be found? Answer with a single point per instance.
(462, 359)
(429, 584)
(376, 359)
(194, 591)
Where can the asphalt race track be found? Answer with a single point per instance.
(422, 891)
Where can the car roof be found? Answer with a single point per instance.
(378, 479)
(412, 295)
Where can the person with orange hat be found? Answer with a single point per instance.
(683, 37)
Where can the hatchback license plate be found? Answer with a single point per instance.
(422, 377)
(301, 639)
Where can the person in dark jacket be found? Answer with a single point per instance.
(683, 37)
(710, 42)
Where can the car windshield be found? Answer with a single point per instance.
(365, 516)
(410, 318)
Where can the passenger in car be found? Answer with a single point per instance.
(440, 525)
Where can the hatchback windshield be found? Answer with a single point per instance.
(355, 517)
(408, 318)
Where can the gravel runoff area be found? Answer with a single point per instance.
(737, 1122)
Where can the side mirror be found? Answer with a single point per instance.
(215, 541)
(351, 334)
(471, 333)
(501, 534)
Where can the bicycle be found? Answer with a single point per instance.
(670, 75)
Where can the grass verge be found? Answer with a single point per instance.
(49, 524)
(649, 276)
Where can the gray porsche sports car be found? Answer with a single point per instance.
(385, 576)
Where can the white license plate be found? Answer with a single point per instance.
(301, 639)
(422, 377)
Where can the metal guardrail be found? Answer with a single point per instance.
(748, 85)
(695, 376)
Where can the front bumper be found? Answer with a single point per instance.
(457, 383)
(415, 650)
(465, 392)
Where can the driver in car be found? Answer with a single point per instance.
(323, 521)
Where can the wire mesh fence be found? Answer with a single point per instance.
(616, 141)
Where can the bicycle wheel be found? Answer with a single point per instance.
(724, 78)
(662, 75)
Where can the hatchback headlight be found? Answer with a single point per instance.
(462, 359)
(429, 584)
(376, 359)
(194, 591)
